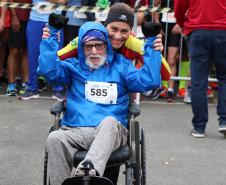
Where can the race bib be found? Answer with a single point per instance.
(168, 17)
(101, 92)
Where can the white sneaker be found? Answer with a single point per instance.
(187, 98)
(222, 129)
(196, 134)
(58, 95)
(147, 93)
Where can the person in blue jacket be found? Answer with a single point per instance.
(99, 83)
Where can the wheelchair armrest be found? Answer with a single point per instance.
(134, 109)
(57, 108)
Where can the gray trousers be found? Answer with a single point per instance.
(100, 142)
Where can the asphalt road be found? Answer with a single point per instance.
(173, 156)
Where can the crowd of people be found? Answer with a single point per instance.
(21, 33)
(21, 36)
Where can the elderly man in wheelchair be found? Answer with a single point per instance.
(97, 105)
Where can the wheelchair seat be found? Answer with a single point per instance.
(118, 157)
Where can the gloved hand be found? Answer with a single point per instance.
(57, 20)
(151, 29)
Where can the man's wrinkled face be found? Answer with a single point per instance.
(118, 33)
(95, 53)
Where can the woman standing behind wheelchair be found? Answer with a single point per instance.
(99, 83)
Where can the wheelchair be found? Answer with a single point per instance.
(132, 155)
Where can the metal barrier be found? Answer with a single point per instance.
(177, 78)
(81, 9)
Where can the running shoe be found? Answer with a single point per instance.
(11, 89)
(18, 82)
(58, 95)
(157, 92)
(197, 134)
(42, 84)
(28, 95)
(181, 93)
(222, 129)
(210, 93)
(170, 97)
(187, 98)
(23, 89)
(214, 85)
(164, 93)
(147, 93)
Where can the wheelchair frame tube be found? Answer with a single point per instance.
(129, 174)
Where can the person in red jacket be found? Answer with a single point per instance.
(204, 23)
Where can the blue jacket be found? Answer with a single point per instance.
(75, 74)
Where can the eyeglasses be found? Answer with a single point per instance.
(98, 46)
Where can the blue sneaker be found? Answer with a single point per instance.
(11, 89)
(58, 95)
(28, 95)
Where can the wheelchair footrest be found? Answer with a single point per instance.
(93, 181)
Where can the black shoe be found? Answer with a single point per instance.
(18, 84)
(42, 84)
(170, 97)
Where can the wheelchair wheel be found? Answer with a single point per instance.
(143, 158)
(135, 146)
(137, 168)
(45, 169)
